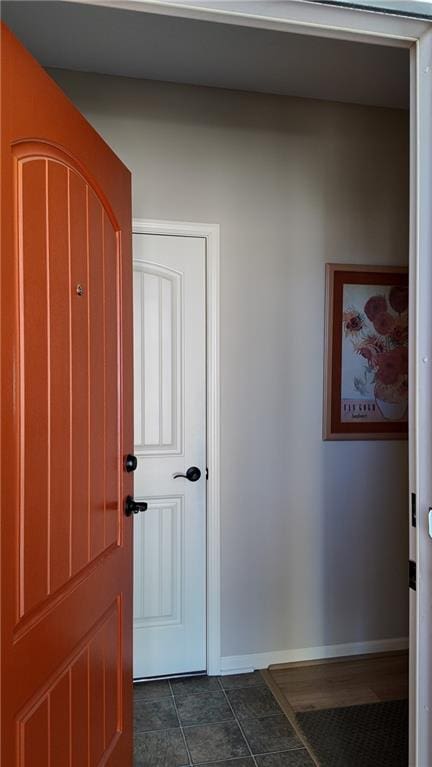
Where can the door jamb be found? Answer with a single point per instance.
(342, 23)
(421, 416)
(211, 234)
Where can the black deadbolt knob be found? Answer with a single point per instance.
(131, 462)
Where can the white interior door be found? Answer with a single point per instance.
(170, 437)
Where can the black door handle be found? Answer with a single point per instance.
(133, 507)
(131, 462)
(193, 474)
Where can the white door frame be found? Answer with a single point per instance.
(421, 412)
(342, 23)
(210, 232)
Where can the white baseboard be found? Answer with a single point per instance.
(241, 664)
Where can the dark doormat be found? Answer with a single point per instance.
(372, 735)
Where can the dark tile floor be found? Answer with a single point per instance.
(231, 721)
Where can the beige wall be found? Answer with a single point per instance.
(314, 534)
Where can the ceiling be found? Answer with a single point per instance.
(136, 44)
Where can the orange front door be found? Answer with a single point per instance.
(66, 425)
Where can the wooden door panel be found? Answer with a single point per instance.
(96, 699)
(66, 424)
(59, 721)
(111, 676)
(59, 350)
(34, 385)
(80, 369)
(79, 711)
(111, 316)
(33, 735)
(97, 402)
(83, 695)
(61, 517)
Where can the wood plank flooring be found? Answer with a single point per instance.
(343, 681)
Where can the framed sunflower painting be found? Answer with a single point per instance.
(366, 357)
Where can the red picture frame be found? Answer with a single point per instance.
(366, 353)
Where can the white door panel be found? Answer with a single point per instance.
(170, 436)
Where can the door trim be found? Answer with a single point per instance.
(211, 234)
(421, 377)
